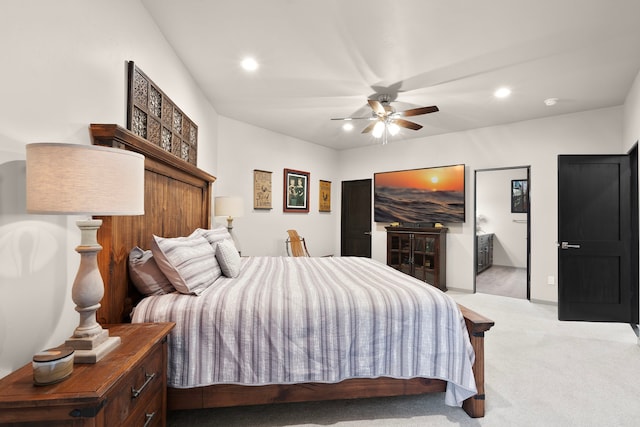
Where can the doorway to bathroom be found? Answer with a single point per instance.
(502, 231)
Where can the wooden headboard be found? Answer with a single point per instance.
(177, 201)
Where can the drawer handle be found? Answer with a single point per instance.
(149, 417)
(135, 393)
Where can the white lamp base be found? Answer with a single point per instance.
(90, 342)
(95, 352)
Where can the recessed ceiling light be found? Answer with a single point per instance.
(550, 102)
(249, 64)
(503, 92)
(347, 127)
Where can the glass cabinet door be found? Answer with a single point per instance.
(399, 252)
(424, 258)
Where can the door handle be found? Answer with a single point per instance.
(367, 233)
(566, 245)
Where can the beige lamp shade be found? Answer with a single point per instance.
(84, 179)
(229, 206)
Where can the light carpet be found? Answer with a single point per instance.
(539, 372)
(503, 281)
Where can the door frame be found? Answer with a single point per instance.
(475, 222)
(344, 213)
(635, 235)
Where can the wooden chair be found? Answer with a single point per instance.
(297, 243)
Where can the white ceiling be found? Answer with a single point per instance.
(322, 59)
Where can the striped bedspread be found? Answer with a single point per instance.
(293, 320)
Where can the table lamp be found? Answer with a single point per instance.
(74, 179)
(230, 207)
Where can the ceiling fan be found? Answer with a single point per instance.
(386, 120)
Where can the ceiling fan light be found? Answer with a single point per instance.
(348, 127)
(378, 129)
(393, 129)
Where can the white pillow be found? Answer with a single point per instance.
(188, 262)
(146, 275)
(228, 258)
(215, 235)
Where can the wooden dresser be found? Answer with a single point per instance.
(420, 252)
(126, 388)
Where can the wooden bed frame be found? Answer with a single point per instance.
(177, 201)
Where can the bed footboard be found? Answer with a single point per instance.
(477, 325)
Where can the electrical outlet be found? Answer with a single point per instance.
(551, 280)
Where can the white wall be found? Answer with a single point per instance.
(631, 133)
(535, 142)
(493, 198)
(64, 67)
(243, 148)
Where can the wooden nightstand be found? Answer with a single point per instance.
(127, 387)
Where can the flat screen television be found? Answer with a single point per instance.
(417, 196)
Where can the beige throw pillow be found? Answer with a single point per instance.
(146, 275)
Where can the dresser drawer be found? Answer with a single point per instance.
(140, 390)
(148, 415)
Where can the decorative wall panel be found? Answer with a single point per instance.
(154, 117)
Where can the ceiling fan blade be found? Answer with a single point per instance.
(352, 118)
(377, 107)
(407, 124)
(419, 111)
(370, 127)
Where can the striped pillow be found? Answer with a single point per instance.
(188, 262)
(215, 235)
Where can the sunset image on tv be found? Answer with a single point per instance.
(420, 195)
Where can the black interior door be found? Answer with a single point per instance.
(355, 221)
(594, 239)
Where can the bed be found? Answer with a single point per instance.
(177, 202)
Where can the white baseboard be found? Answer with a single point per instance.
(545, 302)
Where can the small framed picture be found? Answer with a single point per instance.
(325, 196)
(519, 196)
(296, 191)
(261, 189)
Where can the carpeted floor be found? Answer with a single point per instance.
(504, 281)
(539, 372)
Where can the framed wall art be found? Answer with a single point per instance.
(325, 196)
(261, 189)
(296, 191)
(519, 196)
